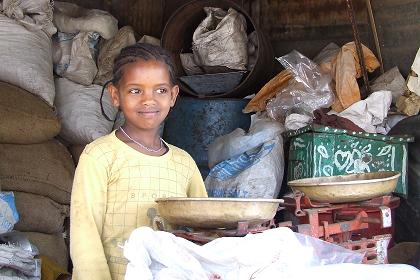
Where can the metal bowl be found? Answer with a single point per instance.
(347, 188)
(212, 213)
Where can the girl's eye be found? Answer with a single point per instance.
(134, 91)
(162, 90)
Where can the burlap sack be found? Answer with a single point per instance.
(26, 59)
(25, 118)
(50, 245)
(76, 151)
(39, 213)
(109, 50)
(45, 169)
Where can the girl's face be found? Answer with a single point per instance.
(144, 94)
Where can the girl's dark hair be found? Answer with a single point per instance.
(133, 53)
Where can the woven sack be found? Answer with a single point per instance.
(45, 169)
(39, 213)
(25, 118)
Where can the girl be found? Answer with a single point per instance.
(120, 175)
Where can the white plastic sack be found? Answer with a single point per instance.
(109, 50)
(391, 80)
(369, 113)
(75, 55)
(32, 14)
(80, 112)
(261, 130)
(221, 39)
(26, 59)
(254, 166)
(9, 215)
(274, 254)
(70, 18)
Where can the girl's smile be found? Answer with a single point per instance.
(145, 94)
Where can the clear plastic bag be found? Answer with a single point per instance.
(309, 91)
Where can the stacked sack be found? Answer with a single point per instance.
(84, 49)
(37, 168)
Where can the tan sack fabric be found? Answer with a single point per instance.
(50, 245)
(33, 14)
(346, 70)
(70, 18)
(268, 91)
(76, 151)
(39, 213)
(109, 50)
(45, 169)
(26, 59)
(24, 117)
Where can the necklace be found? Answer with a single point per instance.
(143, 146)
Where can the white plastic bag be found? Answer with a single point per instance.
(309, 91)
(161, 255)
(221, 39)
(247, 165)
(261, 130)
(80, 113)
(75, 55)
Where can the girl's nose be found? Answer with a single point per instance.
(148, 97)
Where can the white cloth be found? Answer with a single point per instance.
(296, 121)
(368, 113)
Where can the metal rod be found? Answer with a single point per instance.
(359, 49)
(375, 34)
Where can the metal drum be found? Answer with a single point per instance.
(194, 123)
(177, 38)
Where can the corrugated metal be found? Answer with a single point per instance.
(398, 25)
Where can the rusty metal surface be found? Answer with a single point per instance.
(212, 213)
(347, 188)
(350, 11)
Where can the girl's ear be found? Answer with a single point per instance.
(174, 94)
(115, 97)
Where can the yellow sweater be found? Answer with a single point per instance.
(113, 193)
